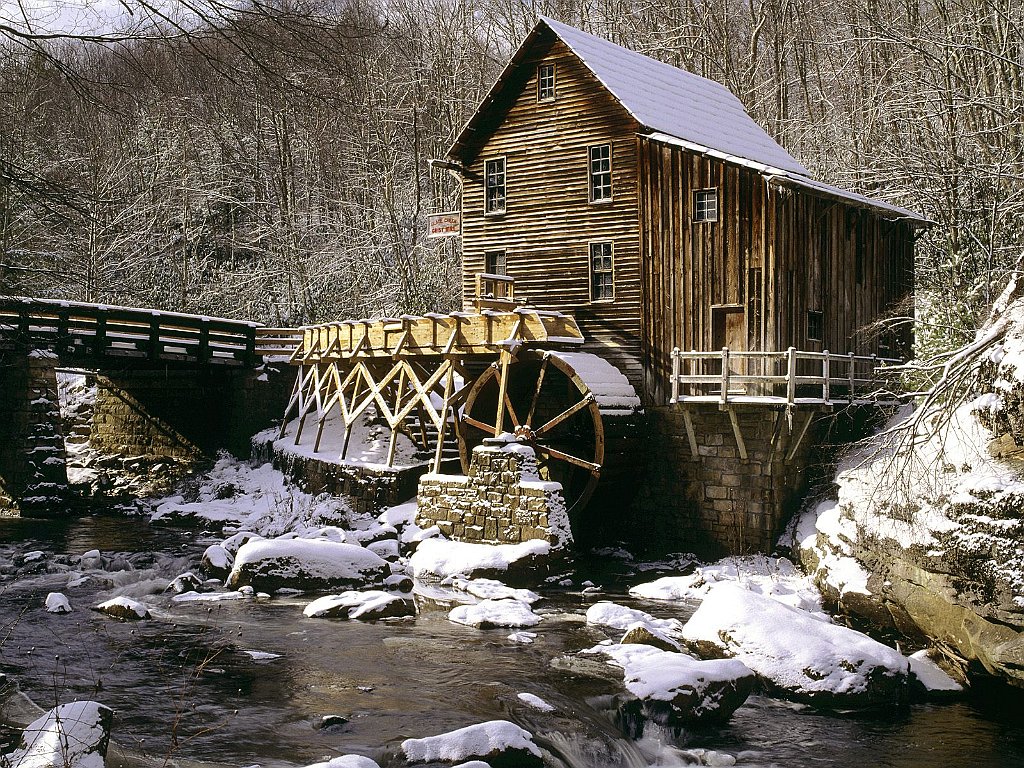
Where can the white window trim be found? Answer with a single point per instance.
(611, 179)
(504, 165)
(554, 83)
(590, 272)
(718, 206)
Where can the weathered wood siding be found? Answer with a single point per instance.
(549, 221)
(774, 254)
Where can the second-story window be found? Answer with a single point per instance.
(546, 82)
(494, 185)
(705, 205)
(600, 173)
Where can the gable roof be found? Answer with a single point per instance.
(673, 105)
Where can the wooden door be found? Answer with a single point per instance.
(729, 327)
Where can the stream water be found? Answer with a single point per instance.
(182, 684)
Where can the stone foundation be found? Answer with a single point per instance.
(501, 501)
(33, 472)
(717, 502)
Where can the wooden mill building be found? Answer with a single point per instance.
(644, 202)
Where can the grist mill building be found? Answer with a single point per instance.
(645, 203)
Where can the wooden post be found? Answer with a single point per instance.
(449, 382)
(675, 376)
(499, 420)
(393, 444)
(250, 346)
(790, 376)
(154, 337)
(850, 373)
(203, 355)
(826, 373)
(725, 376)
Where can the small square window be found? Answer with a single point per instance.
(602, 272)
(815, 325)
(494, 186)
(494, 263)
(600, 172)
(546, 82)
(705, 205)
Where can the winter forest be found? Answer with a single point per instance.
(269, 161)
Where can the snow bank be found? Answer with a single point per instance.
(496, 738)
(804, 657)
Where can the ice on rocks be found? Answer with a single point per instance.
(489, 614)
(805, 658)
(269, 564)
(72, 735)
(497, 742)
(524, 638)
(534, 701)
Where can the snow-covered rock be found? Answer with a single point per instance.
(72, 735)
(57, 602)
(370, 605)
(491, 589)
(499, 743)
(347, 761)
(306, 564)
(217, 562)
(124, 608)
(644, 634)
(932, 679)
(185, 582)
(791, 651)
(488, 614)
(532, 700)
(617, 616)
(440, 559)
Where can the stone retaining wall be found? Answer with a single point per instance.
(501, 501)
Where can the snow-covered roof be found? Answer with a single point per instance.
(674, 105)
(670, 100)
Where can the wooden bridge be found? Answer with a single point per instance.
(170, 386)
(79, 332)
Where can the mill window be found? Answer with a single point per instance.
(494, 263)
(705, 205)
(494, 186)
(815, 325)
(600, 173)
(602, 272)
(546, 82)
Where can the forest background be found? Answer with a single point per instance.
(269, 160)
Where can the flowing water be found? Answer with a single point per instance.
(182, 684)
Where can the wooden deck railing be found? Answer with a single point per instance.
(789, 377)
(494, 292)
(77, 330)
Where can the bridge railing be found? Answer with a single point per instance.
(788, 377)
(81, 329)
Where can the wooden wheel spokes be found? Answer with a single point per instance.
(572, 409)
(554, 453)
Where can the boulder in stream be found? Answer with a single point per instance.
(499, 743)
(370, 605)
(306, 564)
(216, 562)
(57, 602)
(124, 608)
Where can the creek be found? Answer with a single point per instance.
(195, 681)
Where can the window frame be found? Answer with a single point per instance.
(819, 320)
(542, 80)
(591, 174)
(592, 273)
(700, 211)
(504, 261)
(504, 185)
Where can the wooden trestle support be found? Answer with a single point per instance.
(440, 377)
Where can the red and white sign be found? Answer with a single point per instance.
(444, 224)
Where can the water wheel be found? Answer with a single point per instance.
(572, 408)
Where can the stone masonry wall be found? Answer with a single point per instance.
(501, 501)
(718, 503)
(33, 472)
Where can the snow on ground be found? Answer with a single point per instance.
(474, 741)
(368, 444)
(772, 577)
(441, 559)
